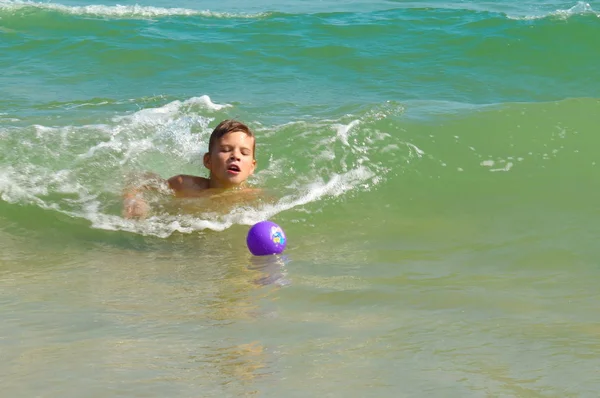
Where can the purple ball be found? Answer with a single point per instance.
(266, 238)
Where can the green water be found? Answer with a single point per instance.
(433, 165)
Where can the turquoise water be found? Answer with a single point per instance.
(432, 163)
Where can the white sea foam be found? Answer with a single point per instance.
(12, 192)
(344, 130)
(29, 184)
(95, 159)
(503, 165)
(169, 128)
(581, 8)
(165, 225)
(174, 108)
(507, 167)
(120, 11)
(413, 148)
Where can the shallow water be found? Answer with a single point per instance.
(433, 166)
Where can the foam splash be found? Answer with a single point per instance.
(506, 166)
(344, 130)
(337, 185)
(120, 11)
(329, 159)
(166, 128)
(581, 8)
(172, 109)
(32, 184)
(164, 226)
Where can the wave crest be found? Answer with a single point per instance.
(120, 11)
(307, 164)
(581, 8)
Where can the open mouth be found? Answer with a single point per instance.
(233, 169)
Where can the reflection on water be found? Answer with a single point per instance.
(176, 316)
(271, 270)
(199, 316)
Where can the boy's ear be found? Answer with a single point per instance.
(206, 160)
(253, 166)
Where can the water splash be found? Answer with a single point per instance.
(319, 161)
(581, 8)
(120, 11)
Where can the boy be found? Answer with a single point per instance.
(230, 160)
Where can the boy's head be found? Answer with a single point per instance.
(230, 157)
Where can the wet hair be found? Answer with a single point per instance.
(229, 126)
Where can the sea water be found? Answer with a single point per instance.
(432, 163)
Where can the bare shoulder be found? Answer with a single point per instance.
(183, 183)
(257, 194)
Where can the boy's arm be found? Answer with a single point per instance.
(134, 205)
(187, 185)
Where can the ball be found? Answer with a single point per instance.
(266, 238)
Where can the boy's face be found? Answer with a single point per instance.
(231, 161)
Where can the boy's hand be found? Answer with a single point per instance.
(135, 207)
